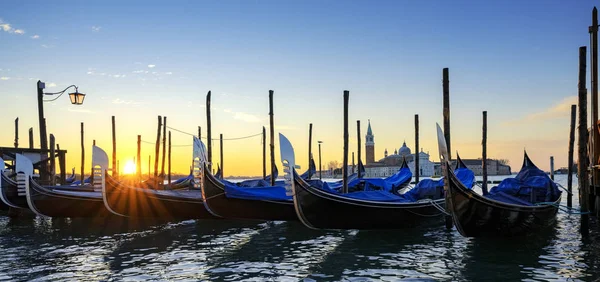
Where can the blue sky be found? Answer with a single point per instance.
(140, 59)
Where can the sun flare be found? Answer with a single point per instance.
(129, 167)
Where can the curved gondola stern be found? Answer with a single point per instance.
(200, 171)
(288, 162)
(527, 161)
(3, 197)
(24, 170)
(100, 170)
(459, 162)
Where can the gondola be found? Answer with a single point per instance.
(126, 200)
(320, 209)
(67, 201)
(10, 193)
(228, 200)
(500, 212)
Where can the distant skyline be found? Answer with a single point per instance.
(140, 59)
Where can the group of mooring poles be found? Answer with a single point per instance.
(271, 145)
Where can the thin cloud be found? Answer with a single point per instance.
(47, 46)
(50, 85)
(6, 27)
(96, 28)
(125, 102)
(76, 110)
(559, 110)
(35, 37)
(246, 117)
(151, 66)
(4, 78)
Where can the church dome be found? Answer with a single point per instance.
(403, 151)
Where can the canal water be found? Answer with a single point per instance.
(224, 250)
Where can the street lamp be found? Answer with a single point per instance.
(320, 167)
(75, 97)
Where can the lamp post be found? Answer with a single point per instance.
(320, 167)
(76, 99)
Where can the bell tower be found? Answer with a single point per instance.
(370, 145)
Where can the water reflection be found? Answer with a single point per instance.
(224, 250)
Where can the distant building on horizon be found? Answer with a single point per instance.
(390, 164)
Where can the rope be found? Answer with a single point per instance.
(570, 193)
(563, 208)
(215, 139)
(441, 209)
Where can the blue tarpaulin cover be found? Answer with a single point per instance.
(260, 189)
(530, 183)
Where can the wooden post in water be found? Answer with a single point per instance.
(309, 146)
(199, 133)
(571, 146)
(446, 90)
(582, 156)
(552, 168)
(208, 133)
(17, 133)
(82, 157)
(162, 166)
(353, 164)
(62, 165)
(417, 152)
(358, 149)
(169, 175)
(484, 185)
(595, 148)
(446, 111)
(157, 147)
(221, 155)
(272, 133)
(52, 161)
(115, 172)
(138, 168)
(31, 138)
(264, 141)
(345, 160)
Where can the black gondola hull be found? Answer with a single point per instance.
(53, 203)
(143, 202)
(213, 193)
(477, 216)
(10, 194)
(322, 210)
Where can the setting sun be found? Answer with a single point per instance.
(129, 167)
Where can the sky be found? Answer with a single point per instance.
(517, 60)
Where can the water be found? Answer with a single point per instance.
(223, 250)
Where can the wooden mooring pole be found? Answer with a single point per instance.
(345, 160)
(264, 143)
(157, 147)
(595, 185)
(31, 138)
(164, 150)
(582, 150)
(446, 113)
(17, 133)
(353, 164)
(417, 152)
(571, 146)
(52, 161)
(208, 133)
(82, 157)
(272, 133)
(359, 173)
(309, 146)
(62, 165)
(139, 158)
(484, 185)
(221, 155)
(552, 168)
(169, 175)
(115, 172)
